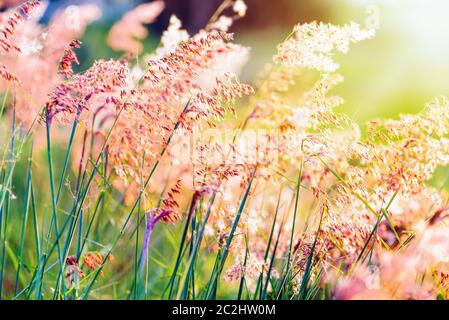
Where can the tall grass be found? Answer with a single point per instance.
(42, 231)
(97, 202)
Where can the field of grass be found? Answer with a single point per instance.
(195, 168)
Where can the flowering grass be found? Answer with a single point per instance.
(161, 175)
